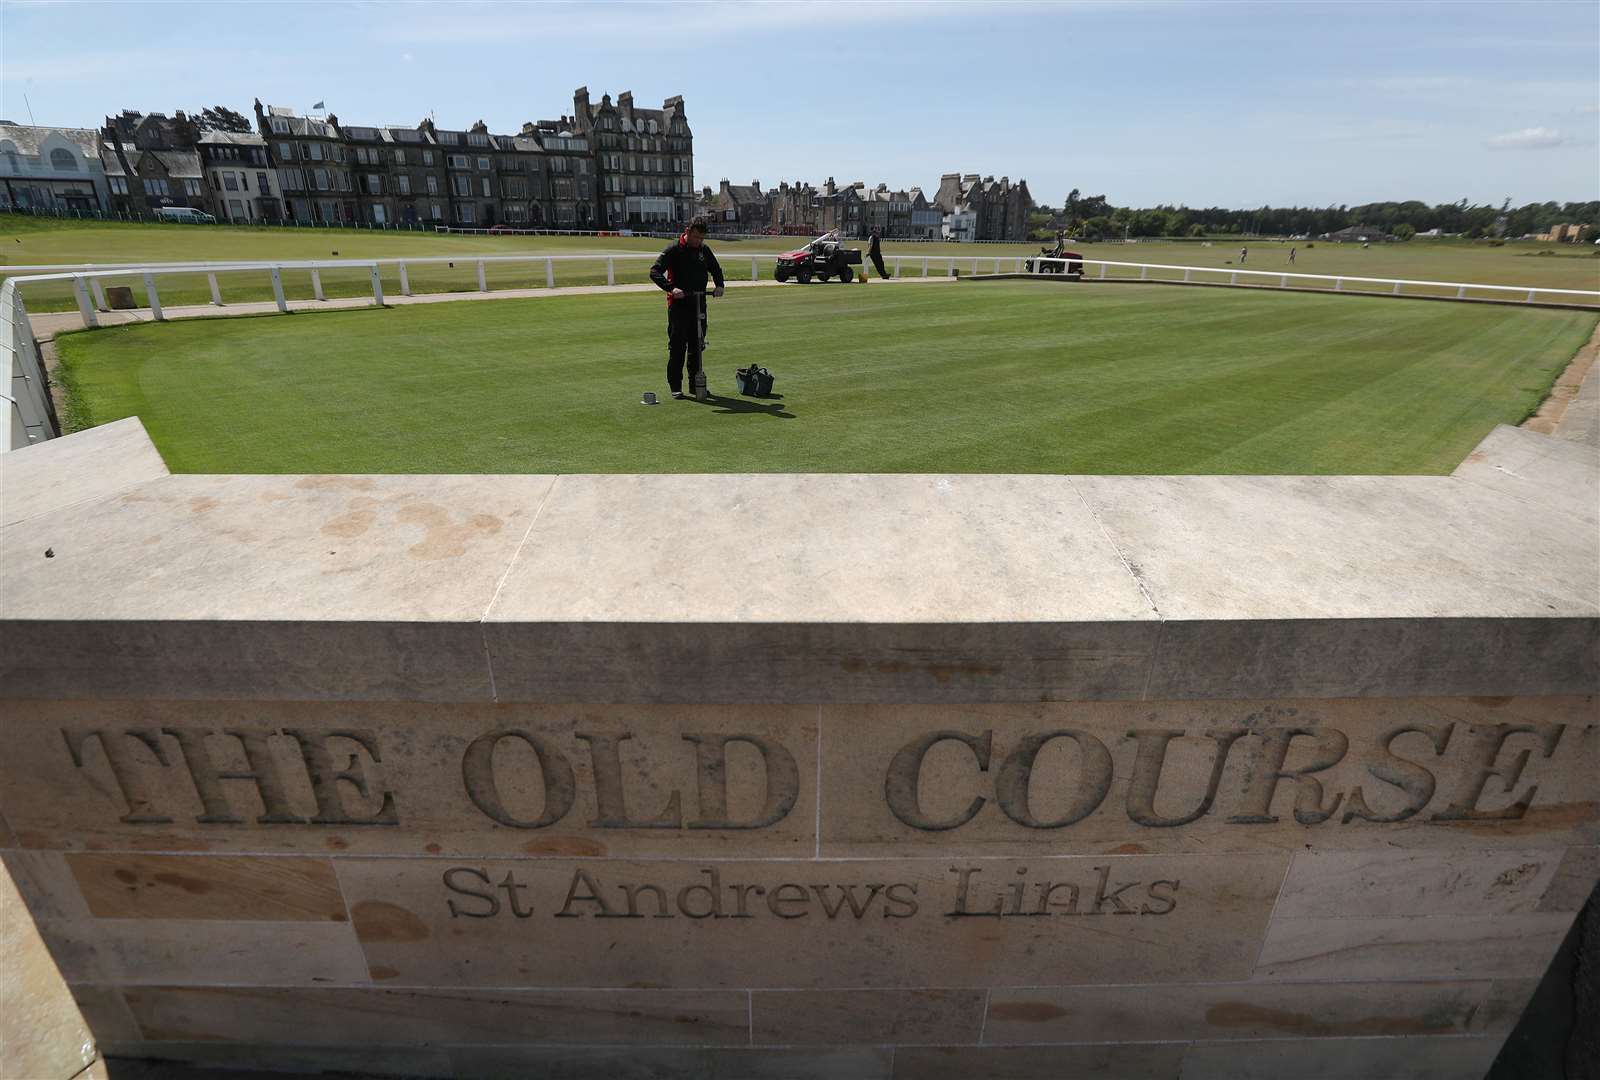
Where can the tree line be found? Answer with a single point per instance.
(1092, 216)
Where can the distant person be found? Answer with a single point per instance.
(1243, 253)
(876, 256)
(681, 271)
(1291, 256)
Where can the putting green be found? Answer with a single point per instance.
(1002, 377)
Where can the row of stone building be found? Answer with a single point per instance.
(965, 207)
(606, 165)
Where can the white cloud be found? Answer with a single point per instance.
(1590, 108)
(1534, 138)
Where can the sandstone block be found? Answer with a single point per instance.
(311, 1017)
(1231, 1011)
(202, 951)
(669, 1063)
(1343, 1059)
(844, 1017)
(1103, 1061)
(423, 1062)
(47, 887)
(1377, 883)
(810, 924)
(1477, 946)
(1574, 881)
(254, 887)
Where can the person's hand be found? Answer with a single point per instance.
(677, 294)
(717, 291)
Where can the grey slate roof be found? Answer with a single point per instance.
(29, 138)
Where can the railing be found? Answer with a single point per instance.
(1448, 290)
(27, 416)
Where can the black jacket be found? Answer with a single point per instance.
(683, 267)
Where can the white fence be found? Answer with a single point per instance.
(28, 416)
(1228, 275)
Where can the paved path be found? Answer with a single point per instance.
(47, 325)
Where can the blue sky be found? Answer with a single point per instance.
(1198, 103)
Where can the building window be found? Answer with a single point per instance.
(465, 210)
(286, 151)
(62, 160)
(436, 213)
(156, 187)
(459, 161)
(261, 184)
(427, 157)
(280, 126)
(313, 151)
(487, 194)
(399, 157)
(230, 181)
(460, 183)
(119, 185)
(483, 164)
(405, 183)
(374, 185)
(449, 138)
(477, 138)
(320, 178)
(433, 184)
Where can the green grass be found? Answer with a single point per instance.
(30, 241)
(983, 377)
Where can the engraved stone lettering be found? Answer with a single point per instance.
(1266, 769)
(1146, 782)
(453, 881)
(1418, 783)
(711, 761)
(325, 777)
(1012, 785)
(126, 771)
(208, 777)
(477, 773)
(1483, 753)
(905, 771)
(610, 797)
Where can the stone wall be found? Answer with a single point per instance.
(802, 776)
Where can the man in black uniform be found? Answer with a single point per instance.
(681, 272)
(876, 256)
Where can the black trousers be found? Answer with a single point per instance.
(681, 345)
(877, 260)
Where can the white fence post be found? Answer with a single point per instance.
(1283, 281)
(1144, 273)
(924, 266)
(316, 284)
(216, 292)
(1102, 271)
(1397, 290)
(483, 282)
(1530, 293)
(405, 281)
(611, 270)
(277, 289)
(1338, 284)
(1461, 293)
(1233, 278)
(755, 274)
(549, 273)
(1186, 275)
(85, 308)
(897, 266)
(152, 298)
(99, 295)
(377, 286)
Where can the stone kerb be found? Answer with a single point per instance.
(844, 776)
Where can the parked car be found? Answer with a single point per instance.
(186, 214)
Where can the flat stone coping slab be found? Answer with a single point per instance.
(796, 587)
